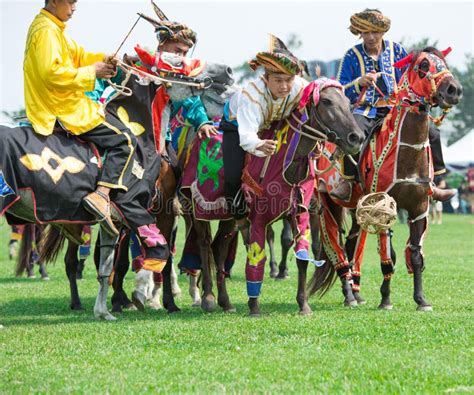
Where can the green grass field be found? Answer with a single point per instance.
(46, 348)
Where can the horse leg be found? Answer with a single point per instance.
(415, 261)
(168, 298)
(194, 289)
(155, 301)
(387, 267)
(204, 239)
(84, 250)
(224, 237)
(286, 242)
(175, 288)
(107, 247)
(330, 220)
(71, 261)
(122, 263)
(271, 246)
(355, 243)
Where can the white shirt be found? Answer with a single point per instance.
(255, 109)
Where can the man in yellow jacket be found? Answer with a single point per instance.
(57, 73)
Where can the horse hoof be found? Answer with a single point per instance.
(425, 308)
(174, 309)
(196, 303)
(45, 278)
(229, 309)
(360, 300)
(282, 277)
(306, 312)
(387, 307)
(254, 315)
(352, 303)
(105, 316)
(117, 308)
(156, 306)
(32, 276)
(208, 304)
(130, 307)
(76, 307)
(138, 300)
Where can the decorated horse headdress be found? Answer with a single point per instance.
(369, 20)
(278, 59)
(427, 69)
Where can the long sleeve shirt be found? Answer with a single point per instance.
(254, 109)
(57, 73)
(356, 63)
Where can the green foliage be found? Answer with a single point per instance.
(412, 46)
(46, 348)
(15, 115)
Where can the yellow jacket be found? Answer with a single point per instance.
(57, 73)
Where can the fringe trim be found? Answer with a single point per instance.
(219, 203)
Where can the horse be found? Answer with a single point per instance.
(70, 156)
(323, 115)
(397, 161)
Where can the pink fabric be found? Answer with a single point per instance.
(315, 87)
(151, 235)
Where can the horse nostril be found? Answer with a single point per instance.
(451, 90)
(354, 139)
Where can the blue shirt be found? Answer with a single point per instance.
(356, 63)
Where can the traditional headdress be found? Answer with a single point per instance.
(278, 59)
(369, 20)
(166, 30)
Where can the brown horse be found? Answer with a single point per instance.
(325, 115)
(396, 161)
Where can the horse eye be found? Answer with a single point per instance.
(424, 66)
(326, 102)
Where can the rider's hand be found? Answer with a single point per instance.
(104, 70)
(268, 147)
(206, 131)
(111, 59)
(368, 79)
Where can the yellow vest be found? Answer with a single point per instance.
(57, 72)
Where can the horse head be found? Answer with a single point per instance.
(429, 79)
(330, 116)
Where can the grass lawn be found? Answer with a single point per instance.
(46, 348)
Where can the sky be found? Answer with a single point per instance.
(231, 32)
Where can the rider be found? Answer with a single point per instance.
(57, 73)
(369, 79)
(267, 98)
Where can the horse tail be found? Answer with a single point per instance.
(26, 249)
(322, 280)
(51, 243)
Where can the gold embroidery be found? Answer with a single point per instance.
(136, 128)
(255, 254)
(42, 162)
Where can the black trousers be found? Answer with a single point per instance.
(234, 158)
(112, 135)
(366, 124)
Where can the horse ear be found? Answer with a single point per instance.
(446, 51)
(403, 62)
